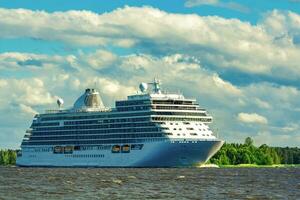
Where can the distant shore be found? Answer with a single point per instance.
(260, 166)
(249, 166)
(228, 166)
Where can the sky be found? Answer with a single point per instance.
(239, 59)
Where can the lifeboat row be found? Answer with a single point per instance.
(126, 148)
(61, 149)
(123, 149)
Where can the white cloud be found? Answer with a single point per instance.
(192, 3)
(110, 87)
(262, 104)
(3, 83)
(186, 51)
(265, 137)
(270, 47)
(177, 72)
(30, 91)
(27, 109)
(252, 118)
(283, 26)
(218, 3)
(291, 127)
(99, 59)
(225, 85)
(283, 97)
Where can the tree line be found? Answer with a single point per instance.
(8, 157)
(247, 153)
(229, 154)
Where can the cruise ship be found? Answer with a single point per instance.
(151, 128)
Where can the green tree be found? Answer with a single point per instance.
(248, 153)
(12, 156)
(4, 158)
(243, 156)
(231, 153)
(7, 157)
(249, 141)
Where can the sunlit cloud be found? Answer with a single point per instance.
(218, 3)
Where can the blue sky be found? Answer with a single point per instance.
(240, 59)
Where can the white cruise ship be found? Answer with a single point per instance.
(149, 129)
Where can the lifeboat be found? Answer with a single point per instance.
(116, 149)
(69, 149)
(58, 149)
(125, 148)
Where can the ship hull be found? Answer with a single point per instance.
(174, 153)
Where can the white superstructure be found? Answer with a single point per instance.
(149, 129)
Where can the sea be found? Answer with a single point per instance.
(149, 183)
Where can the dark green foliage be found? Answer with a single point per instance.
(8, 157)
(288, 155)
(247, 153)
(249, 141)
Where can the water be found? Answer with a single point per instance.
(182, 183)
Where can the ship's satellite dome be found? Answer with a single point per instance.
(90, 99)
(60, 102)
(143, 87)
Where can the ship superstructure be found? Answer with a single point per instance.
(148, 129)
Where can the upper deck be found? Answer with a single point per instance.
(147, 115)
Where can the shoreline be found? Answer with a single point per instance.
(249, 166)
(224, 166)
(261, 166)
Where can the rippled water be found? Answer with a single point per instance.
(169, 183)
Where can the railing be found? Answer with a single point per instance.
(78, 110)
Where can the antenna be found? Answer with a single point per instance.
(156, 86)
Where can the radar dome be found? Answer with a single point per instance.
(143, 87)
(60, 102)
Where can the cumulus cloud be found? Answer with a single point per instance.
(270, 47)
(135, 68)
(265, 137)
(99, 59)
(186, 73)
(252, 118)
(3, 83)
(27, 109)
(110, 87)
(226, 85)
(262, 104)
(187, 52)
(284, 26)
(192, 3)
(290, 127)
(218, 3)
(15, 61)
(25, 91)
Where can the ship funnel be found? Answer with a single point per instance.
(90, 99)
